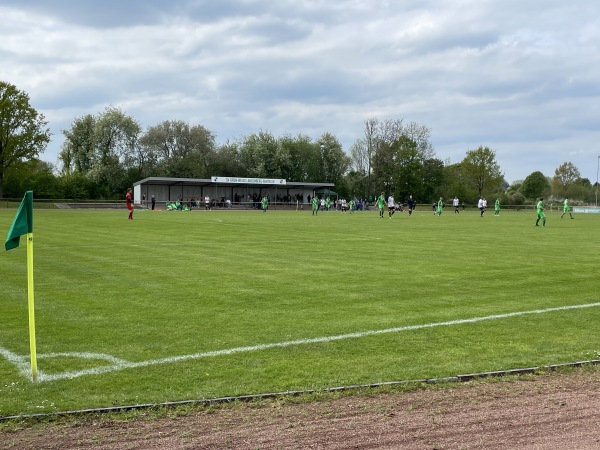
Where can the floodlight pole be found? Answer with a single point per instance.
(597, 170)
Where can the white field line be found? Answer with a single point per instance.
(22, 362)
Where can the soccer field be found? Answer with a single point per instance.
(190, 305)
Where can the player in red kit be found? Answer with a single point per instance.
(129, 202)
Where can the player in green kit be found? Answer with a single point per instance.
(352, 206)
(497, 207)
(381, 204)
(540, 213)
(315, 206)
(327, 204)
(440, 206)
(566, 209)
(265, 203)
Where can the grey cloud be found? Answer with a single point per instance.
(520, 77)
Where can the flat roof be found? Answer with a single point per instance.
(166, 181)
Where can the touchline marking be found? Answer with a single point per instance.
(22, 362)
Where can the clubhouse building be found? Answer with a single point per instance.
(236, 190)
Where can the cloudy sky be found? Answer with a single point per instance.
(521, 77)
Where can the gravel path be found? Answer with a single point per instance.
(549, 411)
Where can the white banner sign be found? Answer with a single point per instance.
(247, 180)
(586, 210)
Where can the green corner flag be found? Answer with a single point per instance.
(23, 223)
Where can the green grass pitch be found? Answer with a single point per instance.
(174, 284)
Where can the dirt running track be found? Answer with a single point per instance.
(551, 411)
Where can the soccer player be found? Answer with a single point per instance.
(391, 205)
(327, 204)
(566, 209)
(480, 206)
(265, 203)
(497, 207)
(411, 204)
(381, 204)
(440, 206)
(455, 204)
(540, 213)
(315, 206)
(129, 202)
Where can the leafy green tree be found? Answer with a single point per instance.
(354, 184)
(372, 152)
(367, 151)
(334, 161)
(35, 175)
(314, 164)
(293, 157)
(481, 170)
(581, 189)
(384, 166)
(399, 157)
(535, 185)
(358, 179)
(78, 151)
(115, 137)
(433, 178)
(257, 154)
(517, 198)
(177, 149)
(565, 176)
(106, 150)
(514, 187)
(77, 186)
(454, 184)
(360, 157)
(407, 178)
(23, 131)
(227, 163)
(421, 136)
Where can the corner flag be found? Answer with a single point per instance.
(23, 224)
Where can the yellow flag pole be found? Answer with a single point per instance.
(31, 308)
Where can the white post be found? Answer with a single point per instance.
(597, 170)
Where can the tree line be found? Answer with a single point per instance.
(104, 154)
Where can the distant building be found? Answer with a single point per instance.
(239, 190)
